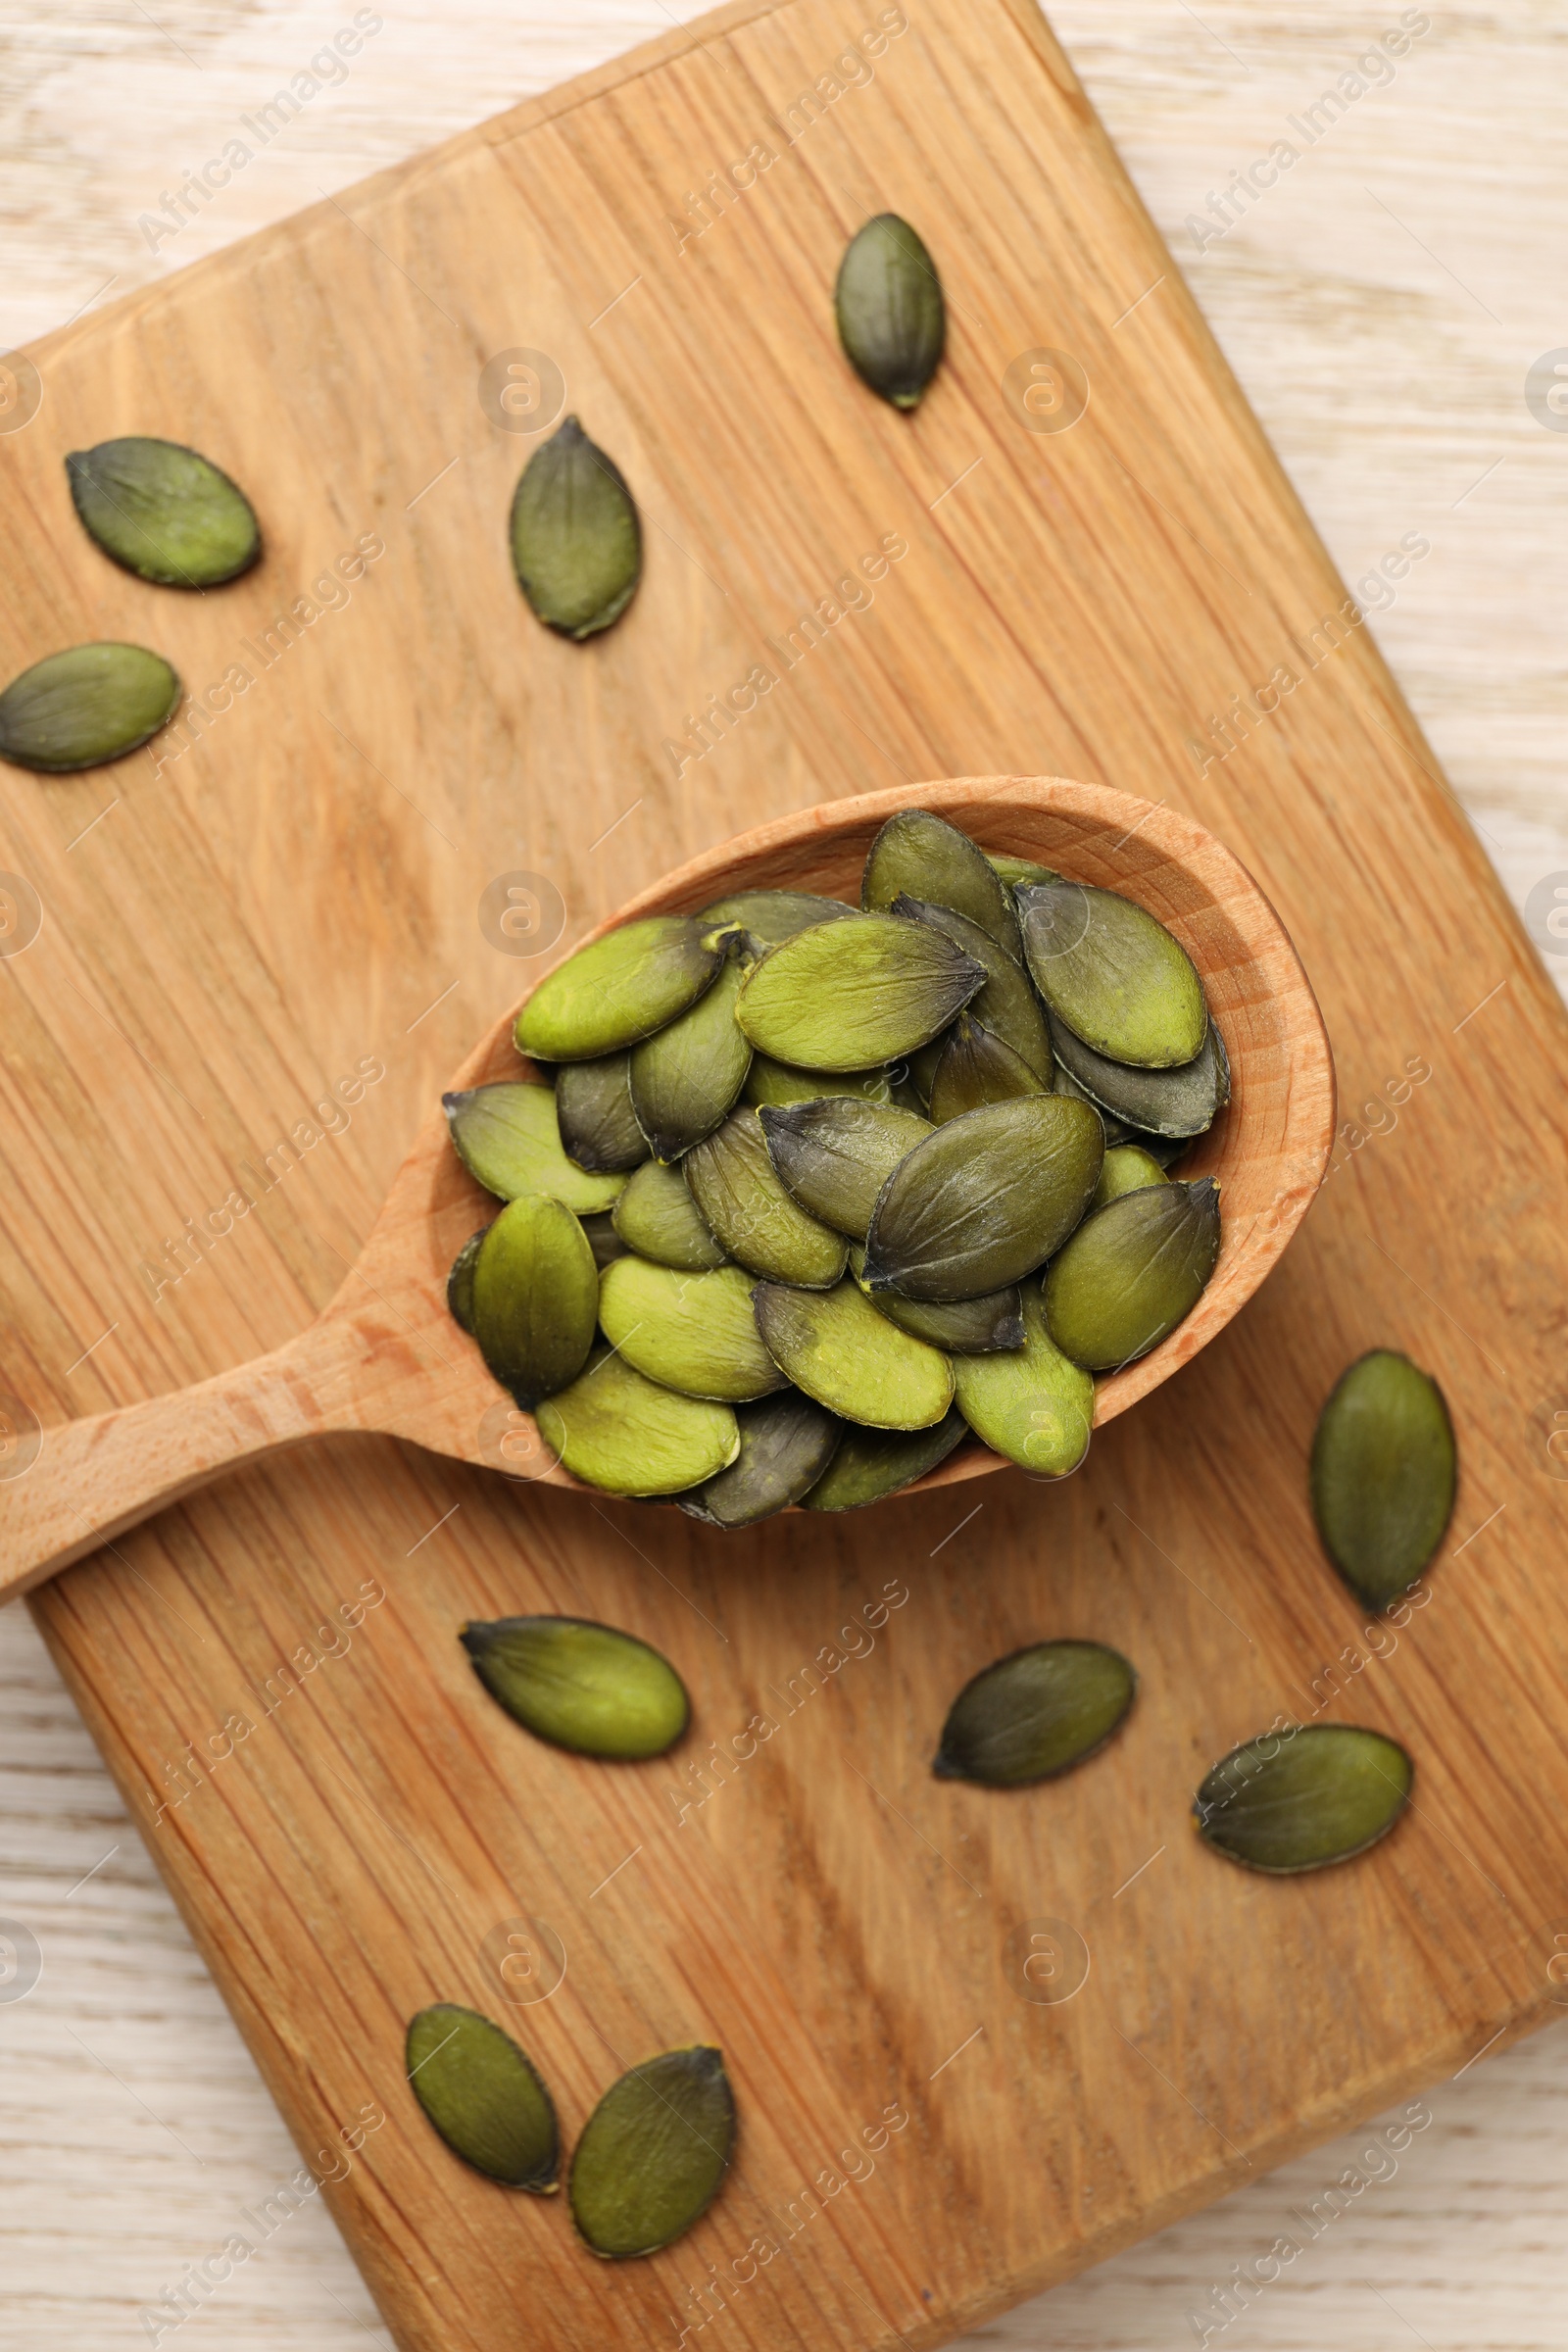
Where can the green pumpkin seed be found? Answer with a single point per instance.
(1298, 1800)
(621, 987)
(1118, 977)
(1130, 1273)
(691, 1332)
(770, 1081)
(843, 996)
(1384, 1471)
(1019, 873)
(968, 1327)
(1128, 1168)
(614, 1429)
(656, 1217)
(774, 915)
(922, 857)
(508, 1139)
(82, 708)
(1034, 1714)
(892, 319)
(835, 1155)
(581, 1685)
(747, 1208)
(977, 1068)
(576, 542)
(460, 1282)
(1063, 1082)
(599, 1127)
(652, 2154)
(535, 1298)
(786, 1443)
(1179, 1104)
(164, 512)
(1034, 1408)
(836, 1346)
(484, 2097)
(1007, 1005)
(872, 1463)
(986, 1198)
(603, 1238)
(686, 1077)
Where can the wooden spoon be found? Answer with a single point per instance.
(385, 1356)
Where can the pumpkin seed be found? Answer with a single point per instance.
(1132, 1272)
(460, 1282)
(621, 987)
(580, 1686)
(1034, 1714)
(535, 1298)
(786, 1443)
(656, 1217)
(614, 1429)
(747, 1208)
(770, 1081)
(1298, 1800)
(977, 1068)
(1034, 1408)
(1128, 1168)
(871, 1463)
(1384, 1471)
(922, 857)
(652, 2154)
(599, 1127)
(837, 1348)
(1019, 873)
(1118, 977)
(81, 708)
(691, 1332)
(891, 316)
(576, 542)
(508, 1139)
(164, 512)
(1063, 1082)
(843, 996)
(1180, 1103)
(687, 1076)
(1006, 1004)
(968, 1327)
(774, 915)
(986, 1198)
(835, 1155)
(484, 2097)
(603, 1238)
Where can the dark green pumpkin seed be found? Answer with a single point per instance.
(580, 1686)
(81, 708)
(603, 1238)
(1007, 1005)
(1179, 1104)
(746, 1207)
(507, 1138)
(1118, 978)
(691, 1332)
(164, 512)
(843, 996)
(835, 1155)
(616, 1430)
(968, 1327)
(460, 1282)
(1384, 1472)
(1033, 1406)
(1127, 1169)
(656, 1217)
(977, 1068)
(871, 1463)
(770, 1081)
(1298, 1800)
(922, 857)
(786, 1443)
(892, 319)
(576, 542)
(599, 1127)
(621, 987)
(1130, 1273)
(774, 915)
(686, 1077)
(1034, 1714)
(484, 2097)
(986, 1198)
(835, 1347)
(653, 2154)
(535, 1298)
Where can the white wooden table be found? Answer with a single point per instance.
(1383, 304)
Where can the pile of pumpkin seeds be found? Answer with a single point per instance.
(801, 1193)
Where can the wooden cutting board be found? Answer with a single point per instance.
(255, 960)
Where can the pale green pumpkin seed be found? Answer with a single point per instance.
(1118, 978)
(603, 1238)
(786, 1443)
(1132, 1272)
(1034, 1714)
(85, 707)
(843, 996)
(774, 915)
(770, 1081)
(986, 1198)
(1033, 1406)
(1179, 1104)
(1019, 873)
(599, 1127)
(656, 1217)
(484, 2097)
(835, 1155)
(580, 1686)
(614, 1429)
(1007, 1005)
(871, 1463)
(576, 542)
(688, 1075)
(977, 1068)
(746, 1207)
(460, 1282)
(1384, 1472)
(164, 512)
(1127, 1169)
(836, 1346)
(621, 987)
(691, 1332)
(1299, 1799)
(921, 857)
(892, 319)
(508, 1139)
(535, 1298)
(653, 2154)
(968, 1327)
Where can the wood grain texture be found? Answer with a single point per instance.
(1232, 29)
